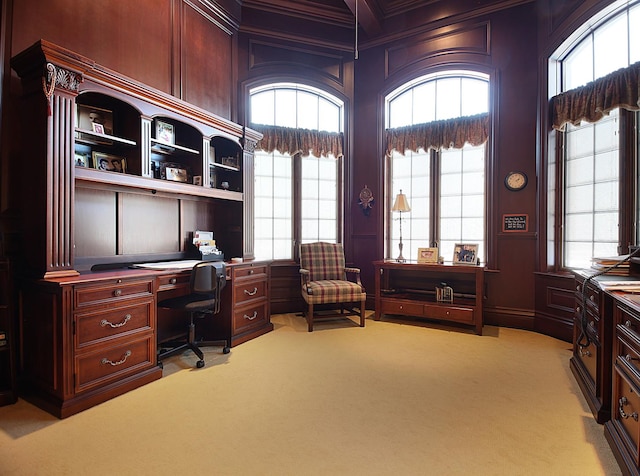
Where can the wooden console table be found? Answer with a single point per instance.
(409, 289)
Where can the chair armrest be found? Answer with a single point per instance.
(356, 272)
(304, 276)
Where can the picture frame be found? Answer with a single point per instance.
(197, 180)
(108, 162)
(229, 162)
(89, 117)
(82, 160)
(428, 255)
(97, 128)
(465, 254)
(175, 172)
(165, 133)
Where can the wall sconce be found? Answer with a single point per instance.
(401, 205)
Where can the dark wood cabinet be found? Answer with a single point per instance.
(592, 345)
(623, 429)
(409, 289)
(8, 390)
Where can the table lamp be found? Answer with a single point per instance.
(401, 205)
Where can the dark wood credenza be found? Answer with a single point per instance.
(408, 289)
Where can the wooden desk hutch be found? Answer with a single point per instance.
(88, 325)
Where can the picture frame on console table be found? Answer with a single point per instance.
(465, 254)
(427, 255)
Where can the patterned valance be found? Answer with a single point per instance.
(597, 98)
(439, 134)
(306, 142)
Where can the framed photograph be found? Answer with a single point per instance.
(428, 255)
(465, 253)
(230, 161)
(197, 180)
(91, 118)
(98, 128)
(165, 132)
(175, 172)
(82, 160)
(108, 162)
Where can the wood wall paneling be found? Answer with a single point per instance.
(95, 222)
(207, 64)
(133, 38)
(466, 39)
(148, 223)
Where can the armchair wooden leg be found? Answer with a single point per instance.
(362, 306)
(310, 318)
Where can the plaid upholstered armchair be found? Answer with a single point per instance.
(325, 281)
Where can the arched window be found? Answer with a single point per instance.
(444, 185)
(296, 183)
(588, 214)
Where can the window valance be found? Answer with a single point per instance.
(288, 140)
(439, 134)
(596, 99)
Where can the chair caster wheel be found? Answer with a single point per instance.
(226, 350)
(200, 364)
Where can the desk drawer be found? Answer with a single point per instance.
(250, 317)
(174, 281)
(625, 410)
(107, 364)
(96, 326)
(248, 271)
(111, 291)
(249, 290)
(451, 313)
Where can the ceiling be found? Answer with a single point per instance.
(373, 15)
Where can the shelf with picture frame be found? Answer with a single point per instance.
(176, 151)
(225, 165)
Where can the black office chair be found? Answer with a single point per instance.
(207, 280)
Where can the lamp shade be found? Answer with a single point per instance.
(401, 204)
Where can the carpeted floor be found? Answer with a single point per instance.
(394, 398)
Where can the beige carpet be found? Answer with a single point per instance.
(390, 399)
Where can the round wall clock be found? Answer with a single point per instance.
(516, 181)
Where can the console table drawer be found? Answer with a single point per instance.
(249, 290)
(111, 291)
(112, 363)
(93, 327)
(402, 307)
(456, 314)
(247, 318)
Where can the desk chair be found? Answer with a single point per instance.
(207, 280)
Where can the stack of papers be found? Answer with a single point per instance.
(622, 268)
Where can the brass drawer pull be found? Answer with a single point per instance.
(105, 323)
(251, 318)
(127, 354)
(627, 323)
(251, 293)
(584, 353)
(621, 403)
(173, 281)
(117, 292)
